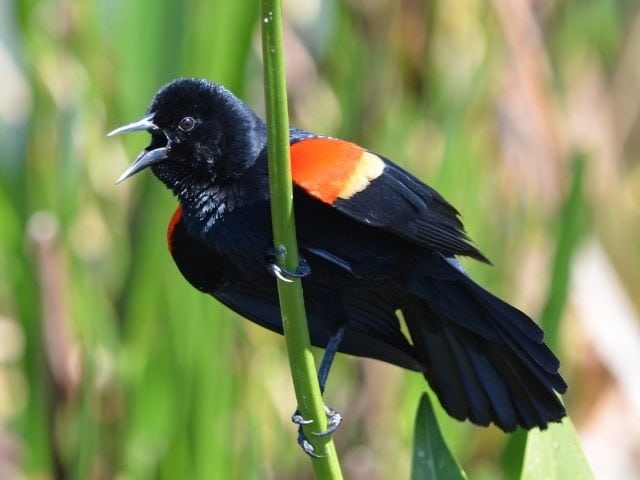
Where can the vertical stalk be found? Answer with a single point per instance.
(303, 369)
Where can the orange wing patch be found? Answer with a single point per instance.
(175, 219)
(329, 169)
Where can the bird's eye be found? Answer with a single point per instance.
(187, 124)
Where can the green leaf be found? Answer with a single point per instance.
(431, 456)
(573, 224)
(555, 453)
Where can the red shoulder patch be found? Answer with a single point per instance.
(328, 168)
(175, 219)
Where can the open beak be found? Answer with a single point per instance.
(145, 123)
(146, 157)
(144, 160)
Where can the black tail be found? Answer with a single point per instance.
(485, 360)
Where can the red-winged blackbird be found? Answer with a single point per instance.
(375, 240)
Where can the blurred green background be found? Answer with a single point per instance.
(524, 114)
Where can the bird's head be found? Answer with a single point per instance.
(201, 134)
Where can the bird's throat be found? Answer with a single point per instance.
(203, 201)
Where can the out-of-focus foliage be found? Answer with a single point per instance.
(111, 365)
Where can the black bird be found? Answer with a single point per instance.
(374, 240)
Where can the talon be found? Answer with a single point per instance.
(278, 272)
(306, 446)
(334, 420)
(298, 419)
(285, 275)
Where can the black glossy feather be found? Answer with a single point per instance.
(399, 203)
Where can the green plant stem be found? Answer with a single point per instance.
(303, 369)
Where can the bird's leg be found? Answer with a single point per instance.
(334, 419)
(283, 274)
(329, 354)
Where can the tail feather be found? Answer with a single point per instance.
(437, 271)
(512, 315)
(480, 407)
(441, 370)
(469, 306)
(503, 409)
(534, 356)
(459, 371)
(534, 346)
(481, 358)
(537, 403)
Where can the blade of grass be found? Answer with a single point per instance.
(572, 226)
(303, 370)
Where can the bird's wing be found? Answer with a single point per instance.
(373, 190)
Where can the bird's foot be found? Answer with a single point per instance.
(285, 275)
(334, 420)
